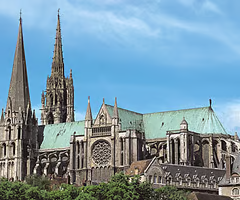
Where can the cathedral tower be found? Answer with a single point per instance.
(18, 126)
(58, 99)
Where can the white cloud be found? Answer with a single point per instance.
(229, 115)
(201, 5)
(130, 25)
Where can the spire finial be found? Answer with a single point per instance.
(210, 102)
(103, 100)
(88, 99)
(20, 19)
(70, 73)
(58, 11)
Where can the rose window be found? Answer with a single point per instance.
(101, 153)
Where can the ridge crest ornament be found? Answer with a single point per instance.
(101, 153)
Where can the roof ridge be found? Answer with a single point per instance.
(125, 109)
(176, 110)
(63, 123)
(190, 166)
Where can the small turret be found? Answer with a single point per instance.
(88, 117)
(43, 99)
(70, 74)
(236, 138)
(184, 125)
(2, 117)
(115, 113)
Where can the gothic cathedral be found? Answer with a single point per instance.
(185, 146)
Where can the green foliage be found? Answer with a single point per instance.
(170, 192)
(43, 183)
(120, 187)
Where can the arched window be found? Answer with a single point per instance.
(9, 132)
(102, 120)
(235, 191)
(155, 178)
(4, 149)
(13, 148)
(224, 145)
(78, 147)
(19, 132)
(78, 162)
(50, 118)
(121, 144)
(173, 151)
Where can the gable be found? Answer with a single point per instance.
(103, 116)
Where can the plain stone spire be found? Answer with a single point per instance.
(18, 95)
(89, 112)
(115, 110)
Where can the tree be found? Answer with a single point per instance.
(170, 193)
(43, 183)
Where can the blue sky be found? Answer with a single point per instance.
(152, 55)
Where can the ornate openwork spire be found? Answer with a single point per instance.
(57, 64)
(18, 95)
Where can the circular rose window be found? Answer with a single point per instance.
(101, 153)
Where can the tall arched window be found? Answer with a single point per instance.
(121, 144)
(13, 148)
(78, 162)
(9, 132)
(224, 145)
(4, 149)
(19, 132)
(78, 147)
(173, 151)
(235, 191)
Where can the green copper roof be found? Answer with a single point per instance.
(58, 135)
(155, 125)
(200, 120)
(128, 119)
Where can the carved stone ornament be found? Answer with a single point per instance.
(101, 153)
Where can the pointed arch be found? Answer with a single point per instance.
(4, 149)
(13, 148)
(50, 118)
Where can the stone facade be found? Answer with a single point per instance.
(103, 150)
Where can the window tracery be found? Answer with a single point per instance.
(101, 153)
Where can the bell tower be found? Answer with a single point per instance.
(18, 125)
(58, 99)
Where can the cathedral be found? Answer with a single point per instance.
(188, 148)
